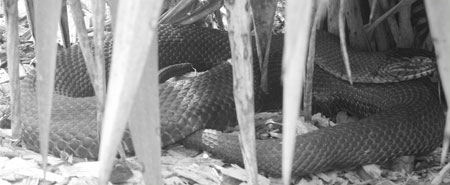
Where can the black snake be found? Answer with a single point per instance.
(401, 118)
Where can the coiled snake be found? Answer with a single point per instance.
(399, 118)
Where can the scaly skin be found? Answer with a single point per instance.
(400, 118)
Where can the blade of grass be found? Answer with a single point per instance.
(182, 9)
(202, 11)
(344, 40)
(64, 25)
(263, 17)
(189, 11)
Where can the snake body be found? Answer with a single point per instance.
(401, 118)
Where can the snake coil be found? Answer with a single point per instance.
(400, 116)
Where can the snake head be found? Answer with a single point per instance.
(407, 64)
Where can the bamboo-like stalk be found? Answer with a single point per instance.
(294, 58)
(440, 32)
(113, 4)
(31, 16)
(146, 137)
(47, 17)
(242, 60)
(12, 50)
(307, 96)
(98, 67)
(354, 24)
(380, 31)
(129, 48)
(400, 28)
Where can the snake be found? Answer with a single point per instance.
(400, 110)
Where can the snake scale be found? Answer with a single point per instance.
(401, 113)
